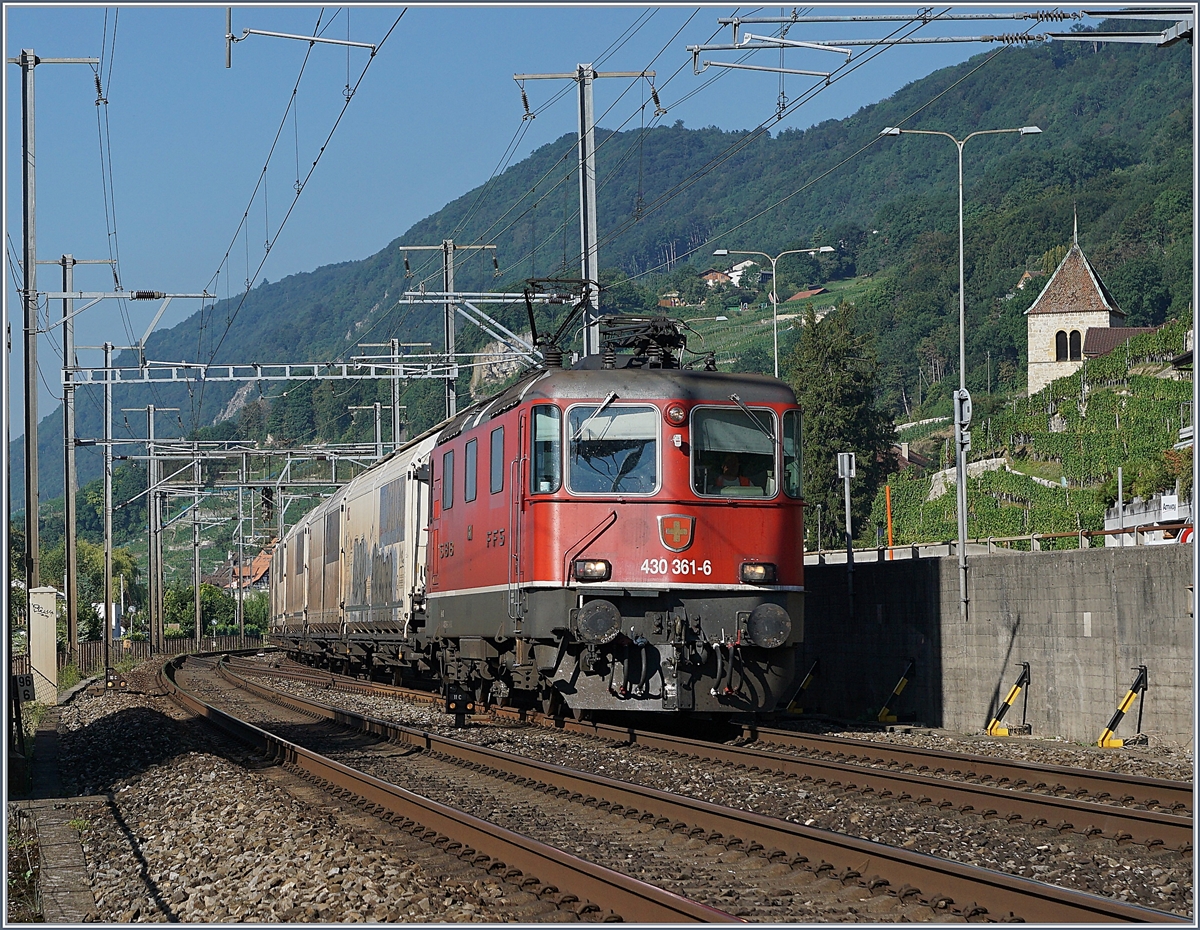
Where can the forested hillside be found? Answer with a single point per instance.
(1115, 148)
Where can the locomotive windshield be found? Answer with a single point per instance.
(613, 450)
(732, 456)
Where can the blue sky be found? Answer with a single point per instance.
(435, 114)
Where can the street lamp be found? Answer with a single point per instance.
(774, 292)
(962, 400)
(707, 319)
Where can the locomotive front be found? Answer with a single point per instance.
(654, 559)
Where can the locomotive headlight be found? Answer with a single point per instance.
(676, 414)
(758, 572)
(592, 570)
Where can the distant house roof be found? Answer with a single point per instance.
(254, 572)
(1100, 340)
(804, 295)
(712, 276)
(1075, 287)
(1027, 277)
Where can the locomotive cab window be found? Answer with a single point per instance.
(793, 485)
(546, 474)
(613, 450)
(733, 455)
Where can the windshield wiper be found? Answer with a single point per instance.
(595, 413)
(753, 419)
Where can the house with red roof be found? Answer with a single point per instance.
(1073, 303)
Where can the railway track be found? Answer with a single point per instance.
(534, 865)
(988, 787)
(872, 868)
(1113, 787)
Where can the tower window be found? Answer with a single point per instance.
(1076, 348)
(1060, 346)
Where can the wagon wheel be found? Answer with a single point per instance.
(553, 705)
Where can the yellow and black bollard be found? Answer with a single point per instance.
(1107, 739)
(995, 728)
(885, 712)
(795, 707)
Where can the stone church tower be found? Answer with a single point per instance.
(1073, 301)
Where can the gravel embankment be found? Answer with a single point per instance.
(193, 829)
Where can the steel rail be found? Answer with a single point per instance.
(1176, 795)
(610, 890)
(963, 889)
(1065, 814)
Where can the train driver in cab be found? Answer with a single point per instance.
(731, 473)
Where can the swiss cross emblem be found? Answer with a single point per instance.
(675, 531)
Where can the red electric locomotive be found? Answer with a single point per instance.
(625, 534)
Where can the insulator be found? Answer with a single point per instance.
(99, 93)
(659, 109)
(147, 295)
(495, 266)
(525, 102)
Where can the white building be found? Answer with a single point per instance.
(736, 272)
(1073, 301)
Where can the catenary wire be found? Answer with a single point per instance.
(233, 316)
(833, 168)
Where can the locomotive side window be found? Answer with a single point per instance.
(448, 480)
(469, 471)
(732, 455)
(497, 460)
(793, 482)
(546, 473)
(614, 450)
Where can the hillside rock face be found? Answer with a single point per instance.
(494, 367)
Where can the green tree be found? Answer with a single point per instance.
(756, 361)
(1139, 289)
(16, 573)
(89, 573)
(217, 609)
(252, 421)
(834, 372)
(256, 610)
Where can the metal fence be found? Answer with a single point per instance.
(89, 657)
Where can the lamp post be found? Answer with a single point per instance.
(774, 291)
(962, 400)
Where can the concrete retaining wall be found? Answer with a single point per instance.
(1082, 619)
